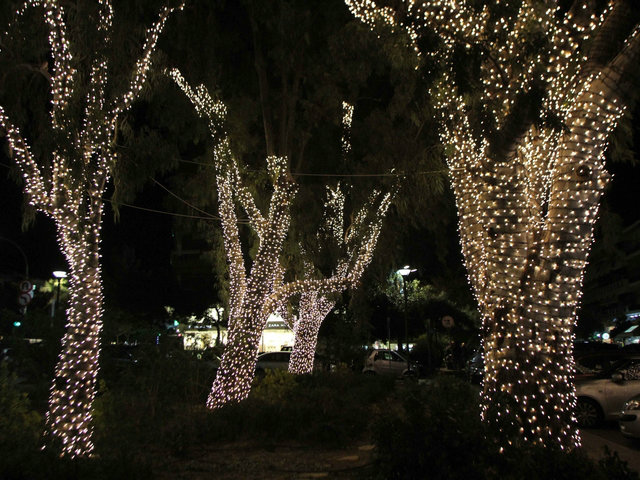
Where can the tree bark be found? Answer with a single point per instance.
(313, 311)
(237, 368)
(69, 418)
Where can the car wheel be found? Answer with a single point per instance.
(588, 413)
(260, 373)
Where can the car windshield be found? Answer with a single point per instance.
(618, 365)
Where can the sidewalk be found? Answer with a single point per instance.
(594, 447)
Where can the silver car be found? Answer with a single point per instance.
(603, 396)
(629, 420)
(279, 361)
(387, 362)
(272, 361)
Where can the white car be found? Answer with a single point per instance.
(272, 361)
(387, 362)
(629, 420)
(602, 396)
(279, 361)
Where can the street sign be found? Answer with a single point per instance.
(24, 299)
(447, 321)
(26, 293)
(25, 286)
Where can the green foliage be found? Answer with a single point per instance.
(20, 445)
(275, 387)
(327, 409)
(161, 409)
(434, 431)
(154, 408)
(19, 425)
(159, 401)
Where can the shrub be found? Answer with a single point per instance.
(328, 409)
(435, 432)
(20, 426)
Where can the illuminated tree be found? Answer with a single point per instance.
(257, 293)
(68, 184)
(529, 92)
(314, 303)
(357, 243)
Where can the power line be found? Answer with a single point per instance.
(163, 212)
(346, 175)
(183, 200)
(304, 174)
(173, 214)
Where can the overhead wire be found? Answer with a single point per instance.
(153, 210)
(173, 214)
(209, 216)
(182, 199)
(342, 175)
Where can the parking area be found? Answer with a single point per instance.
(594, 441)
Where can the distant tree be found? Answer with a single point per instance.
(528, 94)
(66, 179)
(304, 59)
(353, 245)
(255, 292)
(316, 301)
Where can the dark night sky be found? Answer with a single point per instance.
(149, 234)
(38, 242)
(136, 250)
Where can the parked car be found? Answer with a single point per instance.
(629, 420)
(121, 354)
(208, 359)
(387, 362)
(592, 363)
(280, 361)
(602, 396)
(272, 361)
(590, 360)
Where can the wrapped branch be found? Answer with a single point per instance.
(143, 65)
(38, 195)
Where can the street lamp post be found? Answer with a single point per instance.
(403, 272)
(59, 274)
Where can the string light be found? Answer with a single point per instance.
(248, 291)
(256, 295)
(317, 295)
(70, 192)
(526, 206)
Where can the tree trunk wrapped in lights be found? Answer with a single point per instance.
(255, 295)
(311, 313)
(525, 152)
(69, 189)
(315, 303)
(248, 291)
(358, 245)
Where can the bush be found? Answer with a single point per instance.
(331, 409)
(20, 426)
(435, 432)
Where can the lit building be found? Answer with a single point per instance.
(275, 337)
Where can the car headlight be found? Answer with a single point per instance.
(632, 405)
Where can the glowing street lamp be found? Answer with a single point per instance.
(406, 270)
(403, 272)
(59, 274)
